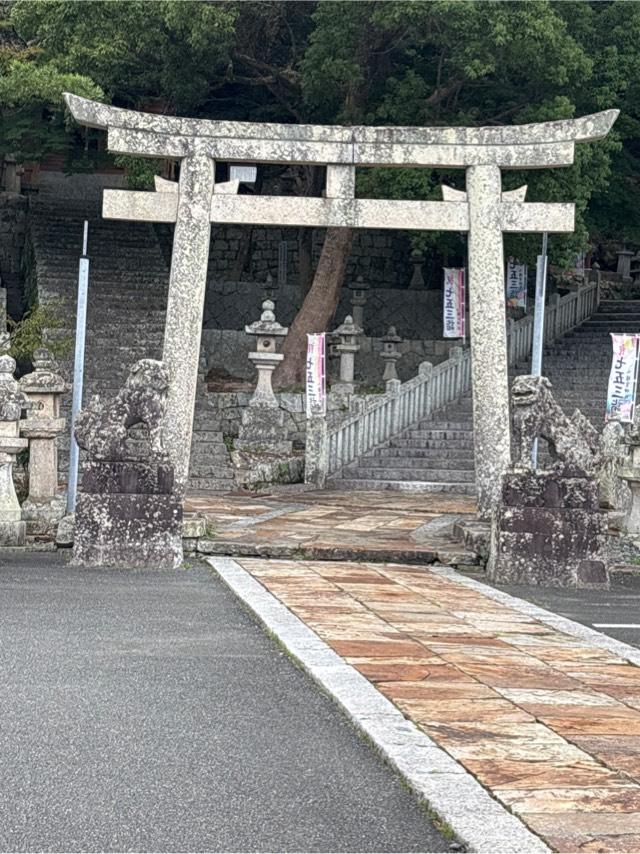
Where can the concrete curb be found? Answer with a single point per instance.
(478, 820)
(555, 621)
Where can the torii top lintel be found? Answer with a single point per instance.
(511, 147)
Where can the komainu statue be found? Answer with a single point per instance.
(128, 513)
(536, 415)
(102, 429)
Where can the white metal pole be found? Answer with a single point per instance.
(538, 325)
(78, 367)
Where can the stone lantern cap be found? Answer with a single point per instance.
(44, 379)
(267, 325)
(348, 329)
(391, 337)
(359, 285)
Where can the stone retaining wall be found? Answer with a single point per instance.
(226, 352)
(13, 222)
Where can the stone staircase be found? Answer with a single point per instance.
(126, 311)
(436, 455)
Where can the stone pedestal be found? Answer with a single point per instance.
(262, 429)
(129, 506)
(128, 515)
(549, 530)
(624, 264)
(631, 474)
(45, 505)
(348, 334)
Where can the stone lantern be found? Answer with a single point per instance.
(624, 264)
(390, 355)
(262, 426)
(348, 333)
(12, 402)
(44, 506)
(359, 290)
(417, 279)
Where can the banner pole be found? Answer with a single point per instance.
(78, 367)
(538, 326)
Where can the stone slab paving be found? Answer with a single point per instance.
(327, 524)
(543, 712)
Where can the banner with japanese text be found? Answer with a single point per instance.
(316, 376)
(453, 303)
(516, 284)
(623, 379)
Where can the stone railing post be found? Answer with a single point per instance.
(348, 333)
(359, 290)
(456, 353)
(45, 506)
(12, 402)
(390, 355)
(262, 427)
(425, 370)
(316, 452)
(597, 275)
(553, 325)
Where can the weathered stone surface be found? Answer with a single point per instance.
(127, 530)
(43, 387)
(537, 415)
(128, 512)
(102, 429)
(12, 403)
(484, 212)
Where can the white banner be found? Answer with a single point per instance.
(516, 284)
(316, 377)
(453, 303)
(623, 379)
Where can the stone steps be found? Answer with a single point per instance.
(437, 455)
(128, 283)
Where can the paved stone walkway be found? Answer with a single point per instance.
(547, 721)
(333, 525)
(146, 711)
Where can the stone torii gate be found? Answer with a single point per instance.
(484, 211)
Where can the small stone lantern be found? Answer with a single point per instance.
(624, 264)
(12, 402)
(417, 279)
(348, 333)
(45, 506)
(390, 355)
(262, 424)
(359, 290)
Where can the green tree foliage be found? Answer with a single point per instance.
(458, 62)
(484, 63)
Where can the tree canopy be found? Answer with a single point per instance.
(405, 62)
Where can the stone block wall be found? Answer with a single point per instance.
(382, 257)
(226, 353)
(415, 314)
(13, 224)
(225, 412)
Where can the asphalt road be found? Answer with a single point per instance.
(614, 612)
(148, 712)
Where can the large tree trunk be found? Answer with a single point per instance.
(318, 308)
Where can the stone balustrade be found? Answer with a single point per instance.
(331, 448)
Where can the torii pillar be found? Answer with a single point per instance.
(484, 211)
